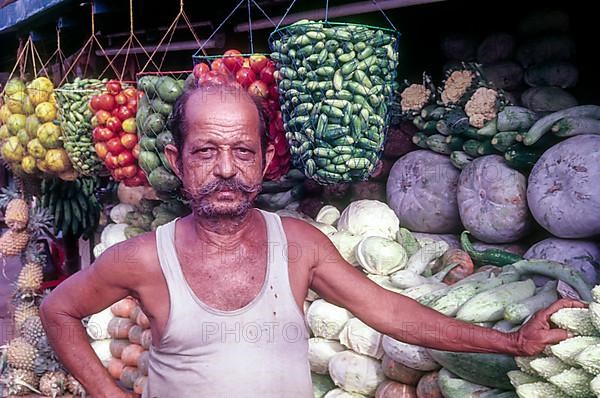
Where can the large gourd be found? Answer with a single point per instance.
(421, 189)
(492, 200)
(564, 190)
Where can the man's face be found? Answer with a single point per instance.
(221, 160)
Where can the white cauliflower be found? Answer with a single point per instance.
(482, 107)
(456, 86)
(414, 97)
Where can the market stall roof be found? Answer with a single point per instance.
(13, 13)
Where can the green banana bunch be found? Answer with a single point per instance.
(74, 205)
(75, 117)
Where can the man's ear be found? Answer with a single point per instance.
(172, 154)
(269, 155)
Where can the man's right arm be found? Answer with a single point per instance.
(87, 292)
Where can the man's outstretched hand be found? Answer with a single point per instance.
(536, 334)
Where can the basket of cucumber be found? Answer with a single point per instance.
(336, 83)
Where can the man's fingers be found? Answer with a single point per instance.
(554, 336)
(557, 305)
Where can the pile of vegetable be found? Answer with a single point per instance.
(457, 282)
(121, 338)
(75, 118)
(154, 109)
(256, 74)
(571, 367)
(30, 134)
(114, 134)
(335, 84)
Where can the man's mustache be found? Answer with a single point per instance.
(229, 185)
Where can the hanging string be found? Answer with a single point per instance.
(384, 14)
(88, 46)
(250, 30)
(221, 25)
(285, 15)
(264, 13)
(169, 35)
(326, 10)
(23, 66)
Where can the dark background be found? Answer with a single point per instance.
(422, 27)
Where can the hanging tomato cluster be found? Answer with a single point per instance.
(256, 74)
(114, 134)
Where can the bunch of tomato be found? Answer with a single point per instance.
(114, 134)
(256, 74)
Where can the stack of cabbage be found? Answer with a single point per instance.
(570, 368)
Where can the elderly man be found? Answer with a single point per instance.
(224, 287)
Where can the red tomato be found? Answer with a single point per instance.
(124, 113)
(200, 69)
(245, 77)
(258, 88)
(114, 124)
(132, 104)
(267, 74)
(121, 99)
(101, 134)
(115, 146)
(125, 158)
(118, 174)
(233, 60)
(214, 65)
(129, 171)
(101, 150)
(214, 77)
(136, 151)
(134, 181)
(113, 87)
(129, 140)
(258, 62)
(274, 94)
(130, 92)
(102, 116)
(111, 161)
(105, 102)
(95, 103)
(128, 125)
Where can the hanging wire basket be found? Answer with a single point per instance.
(336, 84)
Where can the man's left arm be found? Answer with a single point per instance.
(404, 319)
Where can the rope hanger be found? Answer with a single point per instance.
(129, 43)
(88, 46)
(25, 52)
(249, 4)
(169, 37)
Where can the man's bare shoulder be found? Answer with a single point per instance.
(299, 230)
(137, 255)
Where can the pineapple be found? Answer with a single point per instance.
(23, 311)
(46, 361)
(16, 215)
(20, 354)
(12, 243)
(74, 386)
(30, 278)
(19, 381)
(53, 384)
(32, 330)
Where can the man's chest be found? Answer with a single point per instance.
(226, 286)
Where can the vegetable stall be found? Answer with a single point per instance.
(472, 191)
